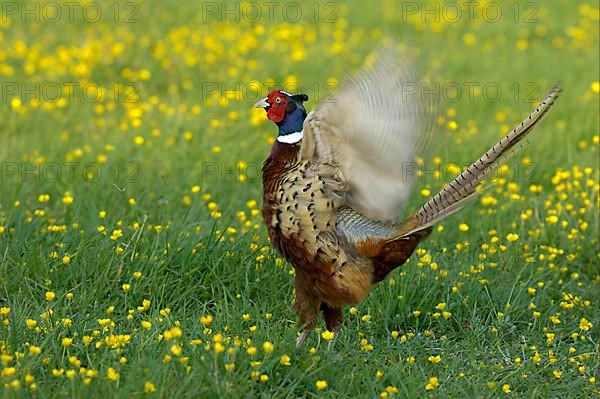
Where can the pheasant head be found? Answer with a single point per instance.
(285, 110)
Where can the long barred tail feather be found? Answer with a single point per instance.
(464, 187)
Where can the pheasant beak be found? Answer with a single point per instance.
(262, 103)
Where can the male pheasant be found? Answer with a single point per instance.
(337, 179)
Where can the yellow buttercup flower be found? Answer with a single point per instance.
(112, 374)
(432, 383)
(328, 335)
(149, 387)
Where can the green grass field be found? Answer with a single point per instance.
(133, 257)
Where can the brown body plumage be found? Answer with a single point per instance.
(321, 195)
(301, 213)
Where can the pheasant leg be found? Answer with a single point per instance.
(302, 337)
(333, 320)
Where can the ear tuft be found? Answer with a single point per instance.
(300, 97)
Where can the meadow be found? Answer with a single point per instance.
(133, 257)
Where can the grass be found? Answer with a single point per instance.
(158, 200)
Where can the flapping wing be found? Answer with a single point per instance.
(370, 130)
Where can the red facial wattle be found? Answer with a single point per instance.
(276, 113)
(277, 106)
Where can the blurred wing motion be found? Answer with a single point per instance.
(370, 132)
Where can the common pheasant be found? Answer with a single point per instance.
(337, 179)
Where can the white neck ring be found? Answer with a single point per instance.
(291, 138)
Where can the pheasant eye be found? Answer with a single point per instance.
(278, 100)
